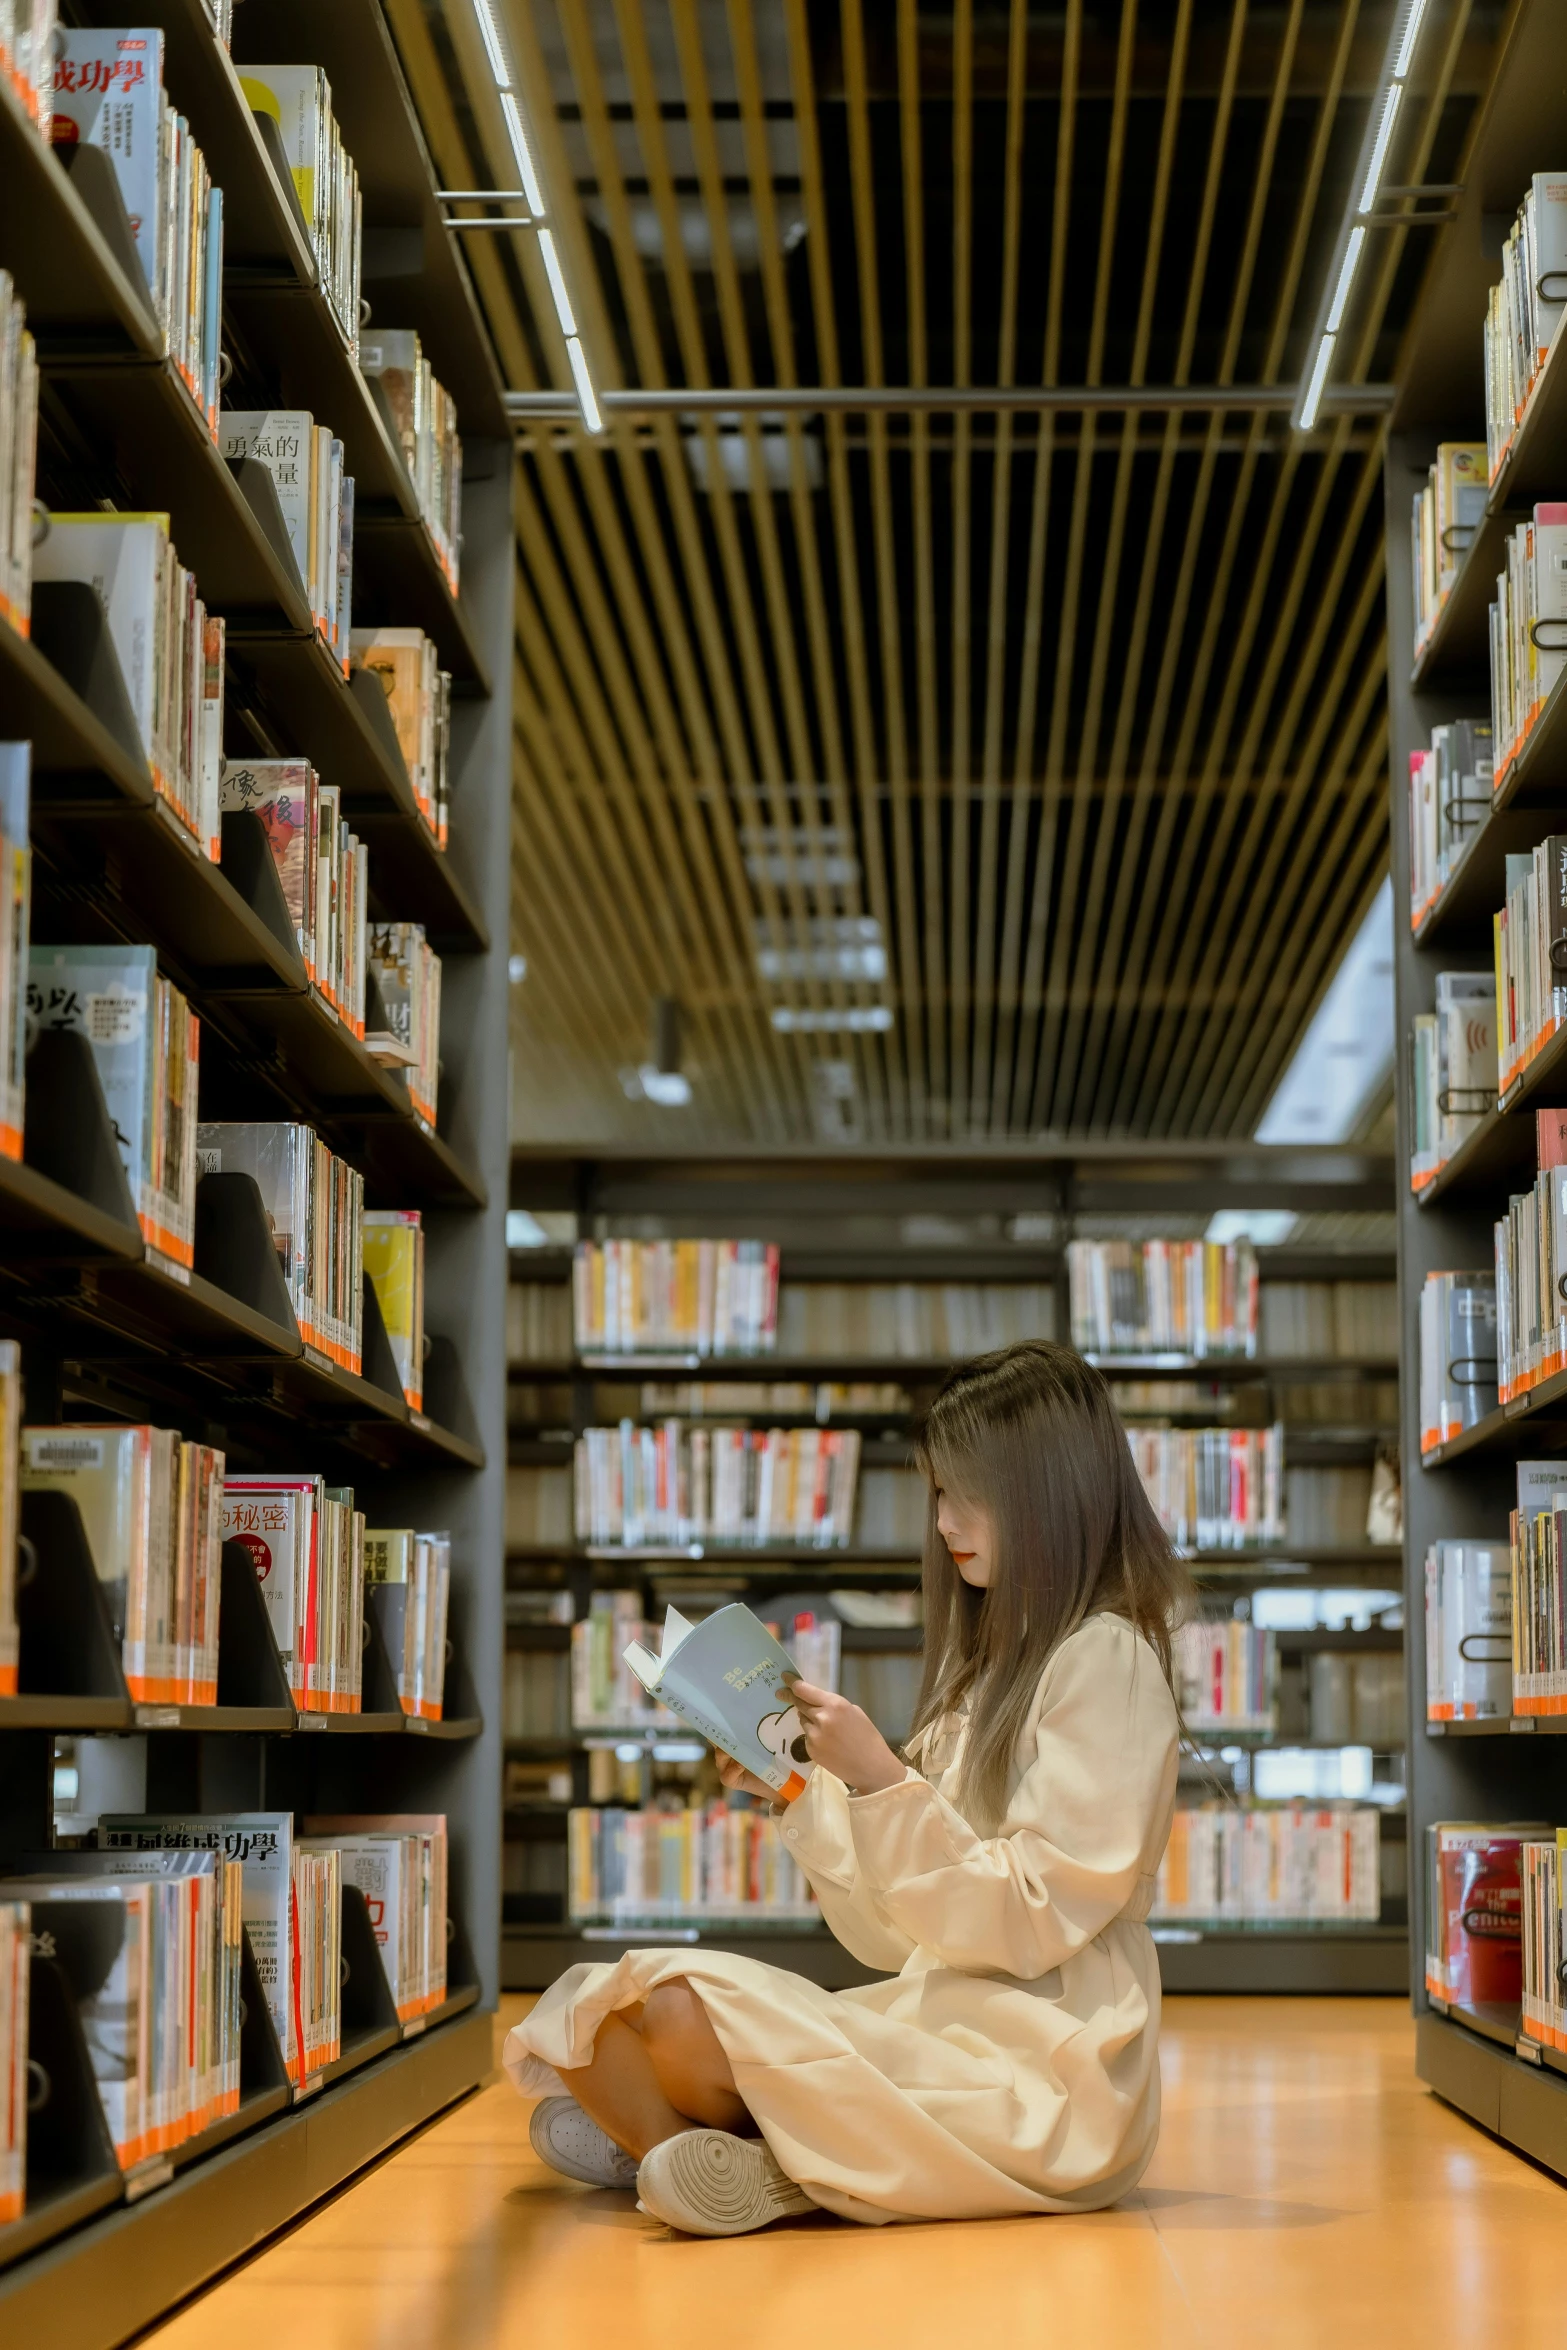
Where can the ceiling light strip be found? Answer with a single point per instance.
(497, 50)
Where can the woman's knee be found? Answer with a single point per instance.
(675, 2024)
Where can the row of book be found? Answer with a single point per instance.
(726, 1860)
(1449, 508)
(682, 1482)
(1528, 630)
(1530, 1261)
(1337, 1319)
(1226, 1675)
(1458, 1355)
(18, 447)
(1453, 1069)
(1356, 1700)
(424, 416)
(315, 494)
(705, 1297)
(1214, 1488)
(1524, 311)
(1183, 1297)
(150, 1926)
(1495, 1613)
(823, 1400)
(314, 1203)
(27, 30)
(1228, 1864)
(919, 1321)
(1449, 795)
(298, 98)
(1530, 942)
(1474, 1910)
(419, 695)
(108, 93)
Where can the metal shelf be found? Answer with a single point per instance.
(1223, 1370)
(1466, 2061)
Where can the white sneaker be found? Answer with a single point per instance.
(712, 2184)
(571, 2142)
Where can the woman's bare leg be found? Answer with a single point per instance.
(648, 2080)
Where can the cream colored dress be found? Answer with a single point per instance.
(1011, 2064)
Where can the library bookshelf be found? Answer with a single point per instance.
(556, 1394)
(1497, 1770)
(109, 1328)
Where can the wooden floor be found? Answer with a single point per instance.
(1307, 2191)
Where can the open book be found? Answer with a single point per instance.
(729, 1678)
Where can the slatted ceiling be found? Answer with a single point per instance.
(1082, 708)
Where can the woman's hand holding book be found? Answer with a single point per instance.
(844, 1740)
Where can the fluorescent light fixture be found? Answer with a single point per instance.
(1345, 1058)
(1373, 179)
(1346, 278)
(494, 43)
(1319, 376)
(669, 1088)
(516, 969)
(552, 270)
(1396, 64)
(592, 416)
(859, 1020)
(1263, 1227)
(523, 154)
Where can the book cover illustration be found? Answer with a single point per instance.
(729, 1678)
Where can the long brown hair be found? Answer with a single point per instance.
(1030, 1436)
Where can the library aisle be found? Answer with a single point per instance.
(1307, 2189)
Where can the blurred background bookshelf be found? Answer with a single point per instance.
(887, 1272)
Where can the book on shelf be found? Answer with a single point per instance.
(341, 928)
(1272, 1865)
(307, 1543)
(922, 1321)
(1337, 1319)
(1474, 1905)
(1448, 510)
(10, 1488)
(18, 455)
(418, 692)
(704, 1297)
(1469, 1631)
(292, 1910)
(1524, 310)
(150, 1944)
(314, 1204)
(407, 1579)
(1213, 1488)
(681, 1483)
(27, 30)
(298, 98)
(1356, 1700)
(724, 1862)
(1543, 1990)
(16, 1950)
(16, 869)
(398, 1860)
(408, 976)
(729, 1678)
(425, 417)
(1530, 952)
(1453, 1069)
(538, 1322)
(1226, 1675)
(169, 648)
(306, 465)
(1537, 1540)
(1528, 630)
(1449, 797)
(282, 793)
(150, 1509)
(108, 93)
(1458, 1354)
(823, 1399)
(394, 1262)
(1183, 1297)
(1530, 1254)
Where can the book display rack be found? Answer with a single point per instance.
(556, 1393)
(1498, 1769)
(113, 1329)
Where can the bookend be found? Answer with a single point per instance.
(368, 2006)
(370, 694)
(446, 1397)
(377, 1363)
(259, 491)
(68, 1648)
(249, 865)
(261, 2067)
(234, 1249)
(70, 627)
(93, 177)
(68, 1134)
(250, 1671)
(378, 1680)
(68, 2142)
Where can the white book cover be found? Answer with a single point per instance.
(282, 439)
(122, 556)
(108, 995)
(1548, 260)
(108, 92)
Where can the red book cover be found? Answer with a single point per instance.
(1482, 1893)
(1550, 1128)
